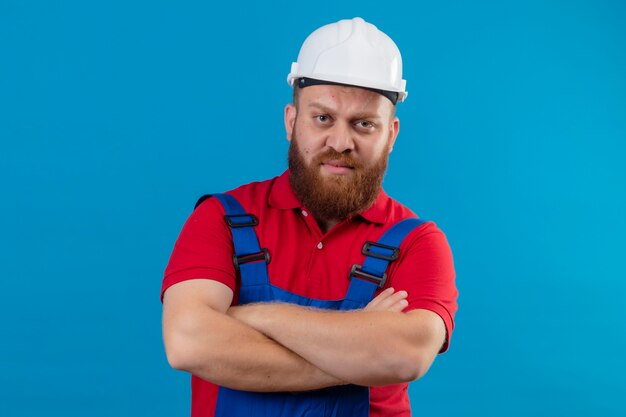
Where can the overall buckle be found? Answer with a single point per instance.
(357, 272)
(241, 220)
(264, 255)
(395, 252)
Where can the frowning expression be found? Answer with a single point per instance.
(351, 125)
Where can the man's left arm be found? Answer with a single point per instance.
(365, 347)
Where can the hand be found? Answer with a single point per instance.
(388, 300)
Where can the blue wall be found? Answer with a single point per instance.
(115, 116)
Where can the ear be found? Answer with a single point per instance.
(290, 119)
(394, 129)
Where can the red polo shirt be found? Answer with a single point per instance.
(313, 264)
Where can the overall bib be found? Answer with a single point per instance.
(251, 262)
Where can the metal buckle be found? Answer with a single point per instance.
(357, 272)
(252, 220)
(395, 252)
(252, 257)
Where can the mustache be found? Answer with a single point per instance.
(332, 154)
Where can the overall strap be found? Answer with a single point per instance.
(248, 253)
(366, 279)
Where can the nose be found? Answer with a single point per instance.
(340, 138)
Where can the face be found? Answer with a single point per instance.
(340, 141)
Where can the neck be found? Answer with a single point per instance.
(326, 225)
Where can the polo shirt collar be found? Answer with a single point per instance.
(282, 197)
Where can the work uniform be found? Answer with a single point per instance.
(311, 265)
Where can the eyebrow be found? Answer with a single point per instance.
(358, 115)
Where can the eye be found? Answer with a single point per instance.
(323, 118)
(365, 125)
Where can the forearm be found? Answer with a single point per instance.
(361, 347)
(229, 353)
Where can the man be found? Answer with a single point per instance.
(314, 293)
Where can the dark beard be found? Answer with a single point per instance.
(337, 197)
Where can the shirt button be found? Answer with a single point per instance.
(304, 213)
(320, 245)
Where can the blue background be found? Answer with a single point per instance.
(115, 116)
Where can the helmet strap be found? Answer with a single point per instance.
(307, 82)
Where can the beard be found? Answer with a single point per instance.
(335, 197)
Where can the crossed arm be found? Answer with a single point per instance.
(282, 347)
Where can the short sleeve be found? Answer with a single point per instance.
(203, 250)
(425, 269)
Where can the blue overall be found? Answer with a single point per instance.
(251, 262)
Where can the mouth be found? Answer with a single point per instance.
(337, 167)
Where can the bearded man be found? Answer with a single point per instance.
(314, 293)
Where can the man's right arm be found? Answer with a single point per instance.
(201, 339)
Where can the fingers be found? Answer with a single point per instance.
(394, 302)
(389, 300)
(399, 305)
(379, 298)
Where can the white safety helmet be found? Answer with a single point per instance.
(351, 52)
